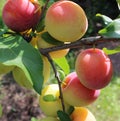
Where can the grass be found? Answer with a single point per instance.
(107, 106)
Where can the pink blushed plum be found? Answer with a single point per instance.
(20, 15)
(66, 21)
(75, 93)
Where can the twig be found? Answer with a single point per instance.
(44, 9)
(58, 79)
(80, 43)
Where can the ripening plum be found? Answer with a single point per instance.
(21, 15)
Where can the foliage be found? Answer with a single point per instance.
(17, 52)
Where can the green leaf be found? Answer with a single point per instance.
(49, 97)
(112, 30)
(63, 64)
(14, 50)
(61, 74)
(49, 39)
(2, 31)
(70, 110)
(63, 116)
(105, 18)
(113, 51)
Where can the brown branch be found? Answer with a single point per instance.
(80, 43)
(58, 79)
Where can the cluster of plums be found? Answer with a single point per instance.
(93, 72)
(65, 21)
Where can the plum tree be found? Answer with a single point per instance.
(66, 21)
(21, 15)
(94, 68)
(53, 24)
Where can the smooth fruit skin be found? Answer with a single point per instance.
(94, 68)
(46, 69)
(41, 43)
(66, 21)
(75, 93)
(50, 107)
(49, 119)
(20, 15)
(82, 114)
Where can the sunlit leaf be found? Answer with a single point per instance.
(112, 51)
(14, 50)
(112, 30)
(63, 64)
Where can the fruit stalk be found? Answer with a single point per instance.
(58, 79)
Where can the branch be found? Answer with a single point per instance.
(58, 79)
(80, 43)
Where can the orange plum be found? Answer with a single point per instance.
(82, 114)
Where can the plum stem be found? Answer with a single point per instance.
(58, 79)
(44, 9)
